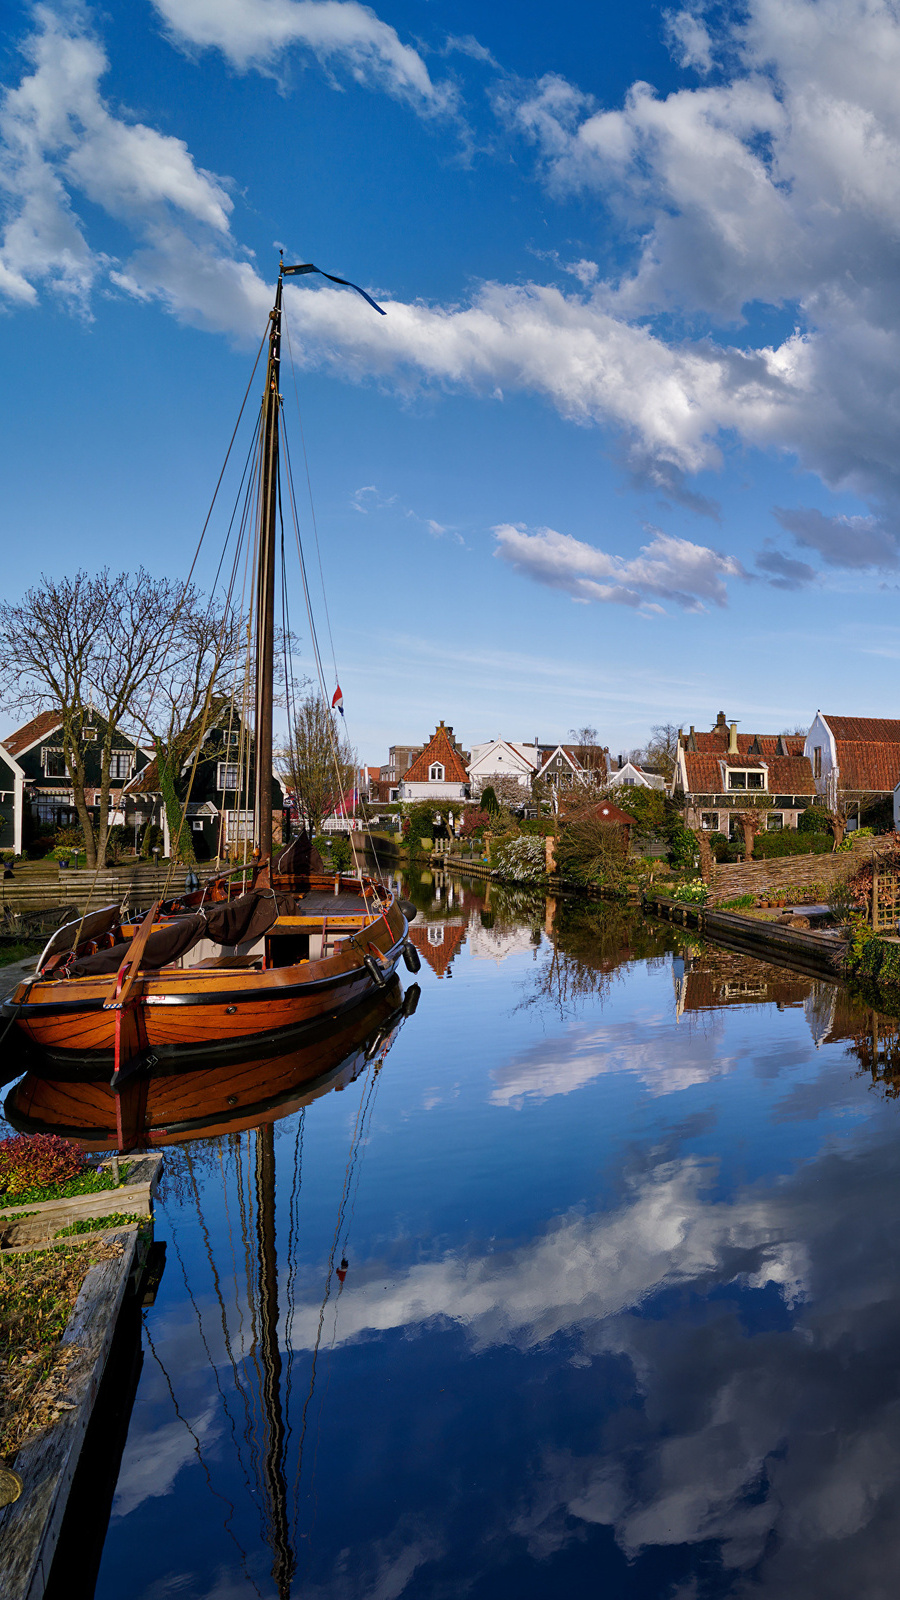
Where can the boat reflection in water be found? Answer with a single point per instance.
(166, 1106)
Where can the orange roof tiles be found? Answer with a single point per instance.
(786, 774)
(875, 730)
(440, 747)
(38, 728)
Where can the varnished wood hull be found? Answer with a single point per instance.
(187, 1012)
(207, 1101)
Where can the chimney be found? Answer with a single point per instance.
(732, 739)
(720, 723)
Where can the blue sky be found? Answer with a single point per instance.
(624, 448)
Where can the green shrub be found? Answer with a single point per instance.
(787, 842)
(722, 847)
(810, 820)
(683, 849)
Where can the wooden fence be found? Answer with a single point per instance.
(885, 906)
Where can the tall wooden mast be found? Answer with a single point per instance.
(265, 585)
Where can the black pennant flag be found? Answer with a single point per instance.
(295, 272)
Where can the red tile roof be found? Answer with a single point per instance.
(38, 728)
(877, 730)
(716, 742)
(787, 774)
(869, 767)
(440, 747)
(610, 813)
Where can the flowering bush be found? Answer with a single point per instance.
(694, 893)
(523, 859)
(37, 1161)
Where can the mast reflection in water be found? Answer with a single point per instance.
(620, 1311)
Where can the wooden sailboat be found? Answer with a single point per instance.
(228, 969)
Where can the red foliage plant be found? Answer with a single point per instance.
(473, 821)
(37, 1161)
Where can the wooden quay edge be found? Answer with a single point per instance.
(29, 1529)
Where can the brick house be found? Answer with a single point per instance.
(721, 772)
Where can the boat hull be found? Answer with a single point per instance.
(185, 1012)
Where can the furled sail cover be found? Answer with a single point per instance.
(243, 919)
(162, 947)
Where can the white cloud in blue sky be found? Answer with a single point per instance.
(697, 274)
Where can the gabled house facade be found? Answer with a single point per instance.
(722, 772)
(854, 758)
(561, 769)
(501, 758)
(630, 776)
(438, 771)
(219, 811)
(47, 799)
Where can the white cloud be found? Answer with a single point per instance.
(666, 569)
(689, 40)
(667, 1231)
(256, 33)
(563, 1065)
(780, 185)
(58, 137)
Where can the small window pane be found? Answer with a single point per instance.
(737, 780)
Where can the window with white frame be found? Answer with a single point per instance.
(745, 780)
(228, 775)
(197, 827)
(436, 772)
(817, 761)
(710, 821)
(120, 764)
(54, 763)
(89, 735)
(774, 822)
(238, 826)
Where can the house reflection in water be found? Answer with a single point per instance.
(707, 979)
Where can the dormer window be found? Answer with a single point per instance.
(436, 772)
(745, 780)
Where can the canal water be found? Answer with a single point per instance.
(586, 1285)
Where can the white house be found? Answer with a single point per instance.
(438, 772)
(501, 758)
(630, 776)
(856, 758)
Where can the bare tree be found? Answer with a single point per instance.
(662, 748)
(320, 766)
(507, 789)
(195, 688)
(750, 823)
(73, 644)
